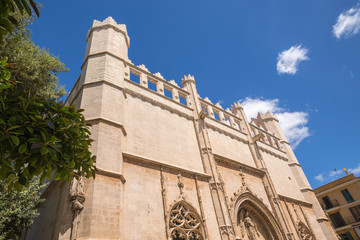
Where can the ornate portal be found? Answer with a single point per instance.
(185, 223)
(253, 227)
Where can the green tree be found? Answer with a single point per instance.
(35, 68)
(8, 9)
(39, 137)
(18, 209)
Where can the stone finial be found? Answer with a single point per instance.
(188, 78)
(228, 110)
(206, 99)
(236, 105)
(172, 81)
(142, 66)
(269, 115)
(159, 75)
(218, 105)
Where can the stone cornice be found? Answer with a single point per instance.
(110, 173)
(295, 201)
(102, 53)
(107, 121)
(272, 153)
(213, 127)
(237, 165)
(294, 164)
(129, 157)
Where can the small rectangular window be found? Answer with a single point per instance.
(346, 236)
(327, 202)
(134, 78)
(168, 93)
(237, 125)
(227, 121)
(216, 116)
(152, 85)
(347, 195)
(182, 100)
(355, 211)
(337, 220)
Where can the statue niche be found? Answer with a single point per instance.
(252, 227)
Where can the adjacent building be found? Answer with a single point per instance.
(340, 200)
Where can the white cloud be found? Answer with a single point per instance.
(336, 174)
(320, 177)
(348, 23)
(292, 123)
(289, 60)
(355, 170)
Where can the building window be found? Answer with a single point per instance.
(327, 202)
(355, 212)
(347, 195)
(185, 223)
(346, 236)
(337, 220)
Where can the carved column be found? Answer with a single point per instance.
(216, 188)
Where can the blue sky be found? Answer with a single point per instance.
(299, 59)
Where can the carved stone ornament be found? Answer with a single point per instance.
(216, 185)
(77, 193)
(243, 188)
(77, 198)
(181, 186)
(304, 232)
(185, 223)
(227, 230)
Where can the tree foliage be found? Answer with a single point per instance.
(39, 137)
(34, 67)
(18, 209)
(8, 8)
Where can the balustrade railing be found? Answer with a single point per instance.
(216, 112)
(158, 84)
(267, 138)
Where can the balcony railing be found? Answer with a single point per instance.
(334, 202)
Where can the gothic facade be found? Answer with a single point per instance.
(172, 165)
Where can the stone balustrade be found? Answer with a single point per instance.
(216, 112)
(267, 138)
(156, 82)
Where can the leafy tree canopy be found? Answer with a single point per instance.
(39, 137)
(7, 10)
(18, 209)
(34, 67)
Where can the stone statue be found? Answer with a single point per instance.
(77, 198)
(251, 227)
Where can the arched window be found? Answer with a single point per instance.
(185, 223)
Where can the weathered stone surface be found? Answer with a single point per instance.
(169, 169)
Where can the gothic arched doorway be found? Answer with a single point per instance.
(254, 221)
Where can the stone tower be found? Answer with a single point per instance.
(172, 165)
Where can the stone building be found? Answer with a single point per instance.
(172, 165)
(341, 201)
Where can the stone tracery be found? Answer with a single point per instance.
(185, 223)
